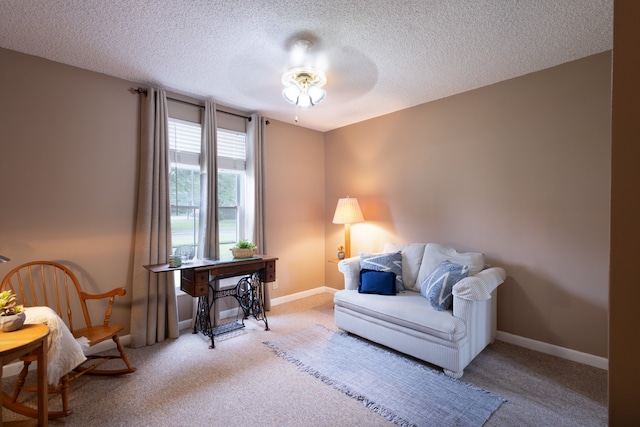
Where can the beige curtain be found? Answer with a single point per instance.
(208, 246)
(154, 313)
(256, 136)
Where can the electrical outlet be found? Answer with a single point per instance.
(275, 284)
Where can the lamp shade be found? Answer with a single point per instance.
(4, 259)
(291, 93)
(315, 94)
(348, 211)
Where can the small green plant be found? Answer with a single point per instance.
(9, 304)
(245, 244)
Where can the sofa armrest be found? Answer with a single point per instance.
(475, 303)
(479, 286)
(350, 268)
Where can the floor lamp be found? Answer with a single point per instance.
(347, 212)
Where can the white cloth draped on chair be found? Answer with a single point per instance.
(65, 352)
(154, 312)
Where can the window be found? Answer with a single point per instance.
(184, 157)
(232, 158)
(184, 182)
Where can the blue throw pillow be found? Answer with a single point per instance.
(377, 282)
(438, 286)
(385, 262)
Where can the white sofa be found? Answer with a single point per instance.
(408, 322)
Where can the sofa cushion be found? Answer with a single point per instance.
(437, 287)
(377, 282)
(435, 253)
(412, 254)
(384, 262)
(408, 309)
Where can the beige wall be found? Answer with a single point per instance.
(519, 170)
(295, 206)
(68, 156)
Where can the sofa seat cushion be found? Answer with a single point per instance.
(409, 309)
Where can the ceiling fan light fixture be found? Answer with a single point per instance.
(316, 94)
(304, 101)
(303, 86)
(291, 93)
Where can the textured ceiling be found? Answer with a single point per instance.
(380, 56)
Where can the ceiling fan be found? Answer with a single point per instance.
(331, 73)
(304, 81)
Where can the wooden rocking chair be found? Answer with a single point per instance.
(46, 283)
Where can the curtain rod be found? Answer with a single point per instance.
(144, 91)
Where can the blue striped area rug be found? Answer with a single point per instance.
(398, 388)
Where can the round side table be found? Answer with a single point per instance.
(31, 337)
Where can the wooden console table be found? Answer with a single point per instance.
(200, 278)
(31, 337)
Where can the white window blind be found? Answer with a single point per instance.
(184, 143)
(232, 150)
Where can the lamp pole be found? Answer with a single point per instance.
(347, 240)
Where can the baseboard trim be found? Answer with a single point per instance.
(15, 367)
(234, 312)
(185, 324)
(554, 350)
(304, 294)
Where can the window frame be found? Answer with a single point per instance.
(235, 162)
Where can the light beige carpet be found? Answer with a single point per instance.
(242, 382)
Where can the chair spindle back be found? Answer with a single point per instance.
(47, 283)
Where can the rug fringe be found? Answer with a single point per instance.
(373, 406)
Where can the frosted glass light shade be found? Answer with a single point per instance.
(304, 101)
(316, 94)
(291, 93)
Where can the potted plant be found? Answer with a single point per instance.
(243, 249)
(11, 313)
